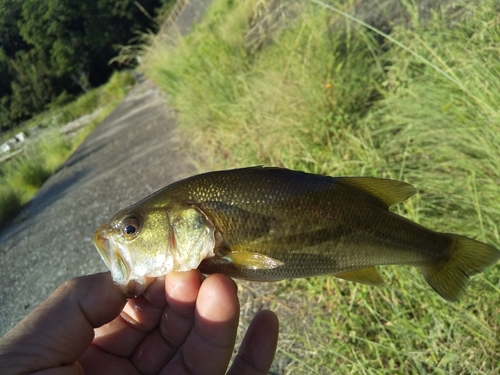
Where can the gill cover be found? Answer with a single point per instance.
(136, 248)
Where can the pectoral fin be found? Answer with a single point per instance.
(253, 261)
(369, 276)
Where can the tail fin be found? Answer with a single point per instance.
(468, 257)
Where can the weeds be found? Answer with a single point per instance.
(321, 94)
(22, 176)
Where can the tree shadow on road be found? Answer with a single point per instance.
(50, 192)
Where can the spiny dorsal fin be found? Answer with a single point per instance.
(369, 276)
(390, 192)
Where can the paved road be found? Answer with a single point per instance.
(131, 154)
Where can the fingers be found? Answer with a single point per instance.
(59, 330)
(73, 369)
(139, 316)
(196, 331)
(175, 322)
(257, 350)
(209, 345)
(150, 330)
(178, 325)
(134, 341)
(182, 290)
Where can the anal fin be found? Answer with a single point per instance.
(369, 276)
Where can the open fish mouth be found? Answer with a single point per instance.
(103, 246)
(117, 264)
(107, 248)
(111, 255)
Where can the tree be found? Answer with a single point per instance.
(6, 78)
(55, 46)
(10, 39)
(6, 73)
(81, 36)
(33, 87)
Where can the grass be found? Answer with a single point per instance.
(24, 174)
(320, 93)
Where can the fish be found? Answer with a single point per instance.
(270, 223)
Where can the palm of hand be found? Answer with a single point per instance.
(181, 325)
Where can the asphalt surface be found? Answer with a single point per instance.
(131, 154)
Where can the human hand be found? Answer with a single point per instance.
(180, 325)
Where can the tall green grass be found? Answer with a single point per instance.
(321, 94)
(22, 176)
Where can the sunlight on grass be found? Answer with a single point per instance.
(321, 93)
(22, 176)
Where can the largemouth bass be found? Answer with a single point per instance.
(271, 224)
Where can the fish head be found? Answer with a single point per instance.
(142, 243)
(135, 248)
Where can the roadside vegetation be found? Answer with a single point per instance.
(53, 51)
(24, 174)
(53, 55)
(296, 84)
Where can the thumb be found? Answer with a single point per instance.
(59, 330)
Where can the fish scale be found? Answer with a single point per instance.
(272, 223)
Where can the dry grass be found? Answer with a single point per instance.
(327, 100)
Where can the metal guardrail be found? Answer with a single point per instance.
(172, 16)
(10, 155)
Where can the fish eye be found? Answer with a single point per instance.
(130, 227)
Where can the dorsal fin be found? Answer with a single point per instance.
(390, 192)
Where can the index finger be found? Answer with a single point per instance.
(209, 345)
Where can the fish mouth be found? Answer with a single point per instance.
(111, 254)
(103, 245)
(134, 288)
(131, 285)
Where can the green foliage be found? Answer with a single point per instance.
(24, 174)
(32, 89)
(163, 10)
(10, 38)
(5, 116)
(6, 73)
(6, 77)
(32, 172)
(115, 89)
(322, 96)
(308, 72)
(55, 46)
(10, 203)
(21, 176)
